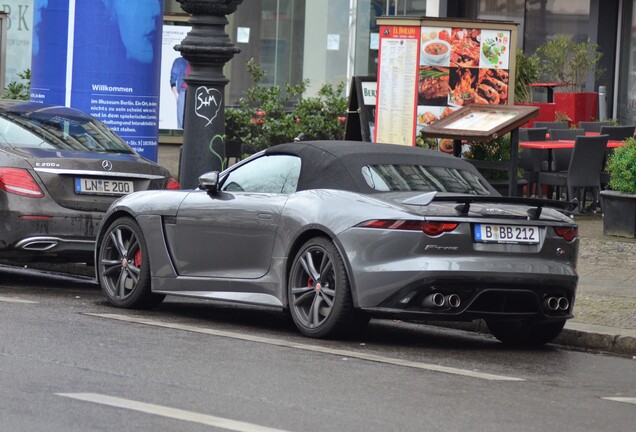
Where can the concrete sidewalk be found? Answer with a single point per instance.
(605, 306)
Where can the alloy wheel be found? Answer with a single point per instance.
(120, 262)
(313, 286)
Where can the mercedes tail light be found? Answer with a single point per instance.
(431, 228)
(173, 184)
(19, 182)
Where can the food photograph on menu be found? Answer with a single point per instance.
(433, 85)
(460, 67)
(465, 47)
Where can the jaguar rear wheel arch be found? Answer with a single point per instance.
(123, 266)
(319, 292)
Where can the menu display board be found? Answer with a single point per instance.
(399, 46)
(360, 121)
(459, 63)
(481, 122)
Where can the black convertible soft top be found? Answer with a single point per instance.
(338, 164)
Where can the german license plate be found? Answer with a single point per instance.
(487, 233)
(103, 186)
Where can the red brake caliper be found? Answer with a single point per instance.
(138, 258)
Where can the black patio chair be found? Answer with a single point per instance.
(552, 125)
(618, 132)
(593, 126)
(561, 157)
(530, 159)
(583, 171)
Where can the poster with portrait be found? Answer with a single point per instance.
(173, 71)
(460, 63)
(102, 57)
(48, 54)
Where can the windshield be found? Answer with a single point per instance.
(58, 132)
(387, 178)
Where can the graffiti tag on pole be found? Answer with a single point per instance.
(208, 102)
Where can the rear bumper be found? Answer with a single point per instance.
(397, 274)
(65, 233)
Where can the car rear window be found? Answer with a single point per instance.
(59, 132)
(390, 177)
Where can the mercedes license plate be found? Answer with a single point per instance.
(103, 186)
(488, 233)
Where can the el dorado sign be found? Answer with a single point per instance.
(430, 67)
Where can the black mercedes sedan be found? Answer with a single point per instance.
(60, 169)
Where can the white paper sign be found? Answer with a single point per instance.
(243, 35)
(333, 42)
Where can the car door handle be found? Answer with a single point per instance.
(264, 216)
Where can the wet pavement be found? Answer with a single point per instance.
(605, 307)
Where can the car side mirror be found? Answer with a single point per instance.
(210, 182)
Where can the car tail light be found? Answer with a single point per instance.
(19, 182)
(567, 233)
(429, 228)
(173, 184)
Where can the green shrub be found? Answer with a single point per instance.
(564, 61)
(621, 167)
(19, 89)
(496, 151)
(526, 73)
(267, 116)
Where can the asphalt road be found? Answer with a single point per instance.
(69, 362)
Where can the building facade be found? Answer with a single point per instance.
(333, 40)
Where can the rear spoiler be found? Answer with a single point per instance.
(464, 202)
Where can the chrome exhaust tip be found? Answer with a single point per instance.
(552, 303)
(453, 300)
(564, 304)
(39, 245)
(434, 300)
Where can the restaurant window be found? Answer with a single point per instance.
(271, 32)
(368, 32)
(549, 18)
(627, 82)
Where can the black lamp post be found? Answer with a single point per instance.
(207, 48)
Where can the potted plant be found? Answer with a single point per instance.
(564, 61)
(527, 73)
(619, 202)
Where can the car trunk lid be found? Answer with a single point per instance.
(92, 181)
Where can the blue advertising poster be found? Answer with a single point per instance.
(114, 53)
(49, 55)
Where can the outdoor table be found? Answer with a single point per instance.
(586, 134)
(558, 144)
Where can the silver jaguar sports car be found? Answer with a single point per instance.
(336, 232)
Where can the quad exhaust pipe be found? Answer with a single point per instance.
(439, 300)
(557, 303)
